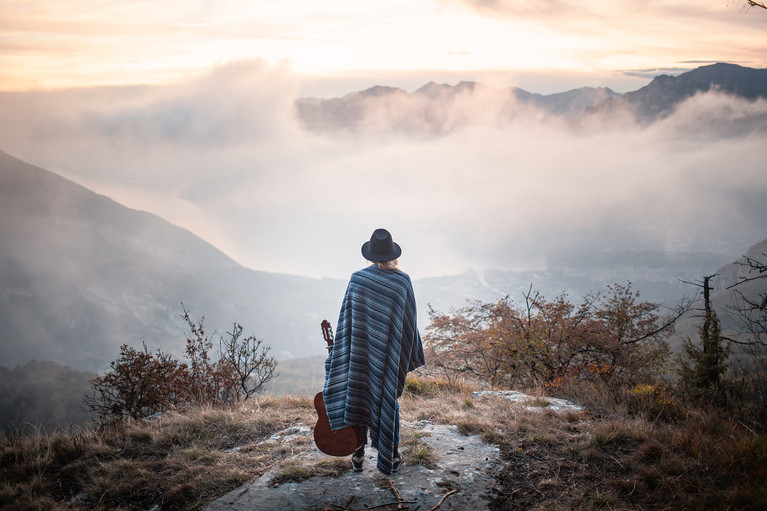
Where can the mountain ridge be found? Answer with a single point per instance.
(657, 99)
(437, 109)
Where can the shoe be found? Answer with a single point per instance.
(357, 458)
(396, 462)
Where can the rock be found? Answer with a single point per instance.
(549, 403)
(289, 434)
(465, 467)
(81, 499)
(155, 416)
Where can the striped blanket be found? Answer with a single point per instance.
(377, 343)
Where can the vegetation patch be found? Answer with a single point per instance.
(415, 451)
(179, 461)
(297, 471)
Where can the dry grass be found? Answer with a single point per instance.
(634, 449)
(296, 471)
(630, 451)
(180, 461)
(631, 459)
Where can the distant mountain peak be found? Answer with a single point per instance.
(376, 91)
(664, 92)
(433, 90)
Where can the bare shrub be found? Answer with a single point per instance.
(141, 383)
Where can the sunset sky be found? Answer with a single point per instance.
(213, 143)
(340, 45)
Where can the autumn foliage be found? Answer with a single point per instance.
(610, 336)
(141, 383)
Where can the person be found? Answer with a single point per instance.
(377, 343)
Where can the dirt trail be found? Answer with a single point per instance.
(463, 476)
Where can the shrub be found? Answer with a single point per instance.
(141, 383)
(611, 337)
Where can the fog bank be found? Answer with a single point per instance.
(225, 156)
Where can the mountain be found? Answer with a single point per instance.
(437, 109)
(664, 93)
(81, 274)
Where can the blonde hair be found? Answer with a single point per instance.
(388, 265)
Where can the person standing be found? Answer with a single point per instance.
(377, 343)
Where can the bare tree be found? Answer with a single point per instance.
(750, 310)
(749, 314)
(251, 363)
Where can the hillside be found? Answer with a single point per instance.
(43, 395)
(81, 275)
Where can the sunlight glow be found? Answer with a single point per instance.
(51, 44)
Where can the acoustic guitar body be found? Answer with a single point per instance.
(342, 442)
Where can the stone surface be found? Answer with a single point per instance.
(551, 403)
(463, 463)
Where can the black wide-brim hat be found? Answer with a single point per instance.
(381, 247)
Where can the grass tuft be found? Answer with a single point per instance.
(292, 472)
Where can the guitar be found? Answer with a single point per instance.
(342, 442)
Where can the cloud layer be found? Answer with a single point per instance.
(224, 156)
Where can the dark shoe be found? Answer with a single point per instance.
(357, 458)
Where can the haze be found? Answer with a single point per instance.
(212, 144)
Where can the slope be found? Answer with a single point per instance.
(80, 275)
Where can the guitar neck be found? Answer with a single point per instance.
(327, 333)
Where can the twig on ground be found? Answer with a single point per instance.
(398, 503)
(618, 462)
(443, 499)
(396, 494)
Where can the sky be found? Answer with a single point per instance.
(185, 109)
(337, 43)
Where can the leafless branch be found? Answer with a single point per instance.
(684, 307)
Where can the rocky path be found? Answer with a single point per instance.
(462, 477)
(462, 473)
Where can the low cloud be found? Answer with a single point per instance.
(225, 156)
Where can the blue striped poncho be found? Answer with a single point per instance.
(377, 343)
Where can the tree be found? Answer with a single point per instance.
(250, 362)
(242, 369)
(630, 344)
(704, 367)
(608, 336)
(750, 309)
(750, 317)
